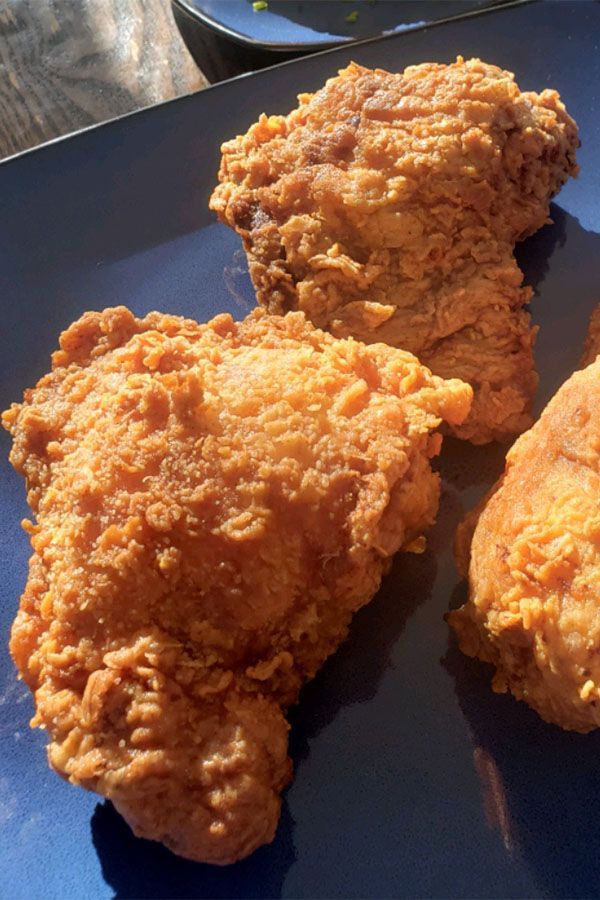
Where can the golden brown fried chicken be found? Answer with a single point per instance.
(213, 503)
(534, 574)
(387, 206)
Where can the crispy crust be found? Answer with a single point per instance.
(387, 206)
(213, 503)
(535, 563)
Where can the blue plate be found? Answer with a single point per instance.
(316, 24)
(412, 778)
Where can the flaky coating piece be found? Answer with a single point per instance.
(213, 503)
(534, 573)
(387, 206)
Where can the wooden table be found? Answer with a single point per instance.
(68, 64)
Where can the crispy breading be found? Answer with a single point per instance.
(534, 573)
(213, 502)
(387, 206)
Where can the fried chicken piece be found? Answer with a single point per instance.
(213, 503)
(387, 206)
(534, 573)
(592, 341)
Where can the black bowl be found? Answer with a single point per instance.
(227, 37)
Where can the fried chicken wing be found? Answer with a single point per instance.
(387, 206)
(534, 572)
(212, 504)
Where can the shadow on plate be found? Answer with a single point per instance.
(533, 254)
(463, 465)
(555, 261)
(540, 784)
(353, 673)
(138, 868)
(134, 867)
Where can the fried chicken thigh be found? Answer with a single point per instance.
(534, 573)
(387, 206)
(212, 504)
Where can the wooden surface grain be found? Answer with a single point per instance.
(67, 64)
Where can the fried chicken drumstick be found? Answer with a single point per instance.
(387, 206)
(212, 504)
(534, 573)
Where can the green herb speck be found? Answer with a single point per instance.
(259, 4)
(352, 17)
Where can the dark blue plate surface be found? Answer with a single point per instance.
(412, 778)
(304, 24)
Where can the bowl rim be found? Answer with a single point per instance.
(189, 8)
(246, 40)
